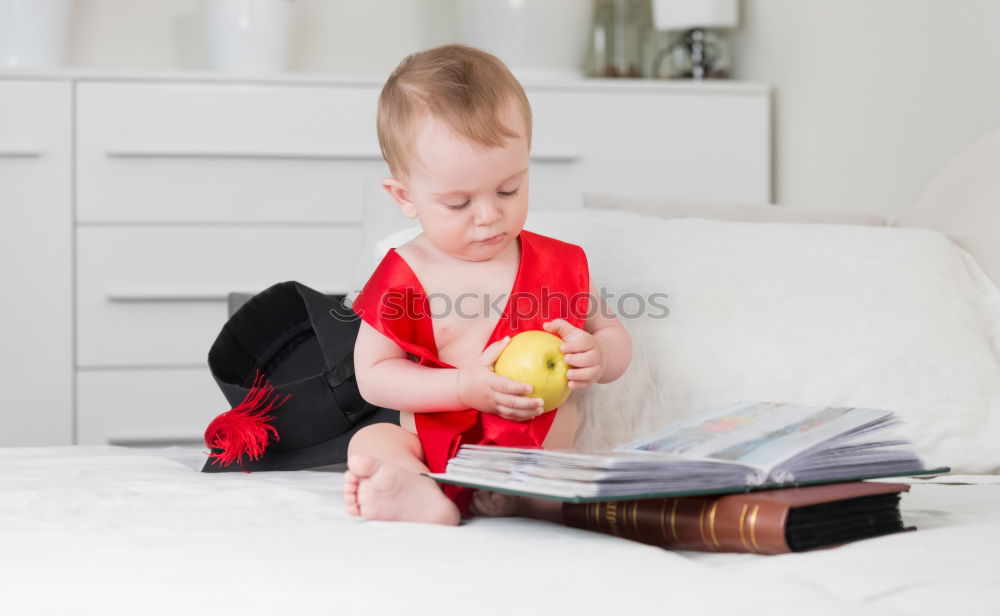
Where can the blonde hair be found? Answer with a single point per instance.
(464, 87)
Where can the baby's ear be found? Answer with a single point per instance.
(397, 190)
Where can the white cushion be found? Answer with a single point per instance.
(746, 212)
(901, 319)
(381, 217)
(963, 201)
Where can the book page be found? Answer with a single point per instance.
(737, 447)
(761, 434)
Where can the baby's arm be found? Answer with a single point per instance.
(612, 338)
(387, 377)
(598, 353)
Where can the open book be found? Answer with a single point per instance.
(739, 447)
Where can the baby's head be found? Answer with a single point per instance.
(454, 126)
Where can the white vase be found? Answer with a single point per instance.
(249, 36)
(535, 38)
(33, 32)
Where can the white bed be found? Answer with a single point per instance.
(894, 317)
(113, 530)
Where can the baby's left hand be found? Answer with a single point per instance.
(581, 351)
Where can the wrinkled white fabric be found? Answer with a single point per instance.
(114, 530)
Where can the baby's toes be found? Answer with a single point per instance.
(351, 494)
(494, 504)
(350, 484)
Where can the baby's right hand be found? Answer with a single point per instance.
(482, 389)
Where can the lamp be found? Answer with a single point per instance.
(695, 16)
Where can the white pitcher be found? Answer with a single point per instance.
(249, 36)
(535, 38)
(33, 32)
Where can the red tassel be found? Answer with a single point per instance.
(244, 428)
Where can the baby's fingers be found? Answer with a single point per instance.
(506, 385)
(510, 401)
(518, 402)
(582, 360)
(590, 373)
(518, 414)
(492, 352)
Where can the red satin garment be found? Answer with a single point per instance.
(552, 282)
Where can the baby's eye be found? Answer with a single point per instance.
(457, 207)
(509, 193)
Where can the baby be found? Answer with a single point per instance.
(454, 126)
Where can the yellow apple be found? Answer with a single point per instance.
(533, 357)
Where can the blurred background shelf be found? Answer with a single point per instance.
(146, 198)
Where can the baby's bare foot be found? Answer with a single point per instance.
(377, 491)
(494, 504)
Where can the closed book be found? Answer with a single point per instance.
(764, 522)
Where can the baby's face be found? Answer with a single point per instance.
(471, 200)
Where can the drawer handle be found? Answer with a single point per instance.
(142, 440)
(21, 152)
(139, 295)
(555, 156)
(165, 296)
(240, 154)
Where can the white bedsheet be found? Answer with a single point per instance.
(114, 530)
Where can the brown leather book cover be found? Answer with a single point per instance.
(763, 522)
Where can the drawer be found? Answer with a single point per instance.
(144, 407)
(36, 271)
(695, 144)
(156, 296)
(224, 152)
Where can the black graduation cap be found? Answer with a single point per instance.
(285, 362)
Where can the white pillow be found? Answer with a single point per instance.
(373, 254)
(963, 201)
(381, 217)
(882, 317)
(744, 212)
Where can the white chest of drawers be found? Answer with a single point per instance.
(159, 195)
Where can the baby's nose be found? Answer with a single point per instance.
(488, 213)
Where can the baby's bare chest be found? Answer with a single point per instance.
(465, 310)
